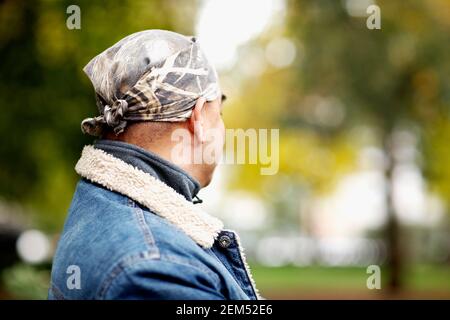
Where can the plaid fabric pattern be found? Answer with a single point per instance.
(163, 90)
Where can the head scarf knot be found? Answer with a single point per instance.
(114, 115)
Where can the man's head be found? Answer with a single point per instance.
(152, 85)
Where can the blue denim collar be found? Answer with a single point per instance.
(152, 164)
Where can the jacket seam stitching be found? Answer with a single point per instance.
(235, 278)
(56, 292)
(128, 262)
(174, 259)
(147, 233)
(120, 266)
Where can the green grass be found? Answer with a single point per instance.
(335, 280)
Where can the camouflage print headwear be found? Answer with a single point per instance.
(153, 75)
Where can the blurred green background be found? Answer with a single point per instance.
(364, 120)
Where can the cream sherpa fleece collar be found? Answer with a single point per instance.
(116, 175)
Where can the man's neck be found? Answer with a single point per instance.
(163, 147)
(151, 163)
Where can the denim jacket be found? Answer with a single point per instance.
(132, 232)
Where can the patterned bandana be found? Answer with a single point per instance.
(153, 75)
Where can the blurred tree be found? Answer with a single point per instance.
(344, 77)
(46, 95)
(385, 78)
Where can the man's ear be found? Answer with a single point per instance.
(196, 120)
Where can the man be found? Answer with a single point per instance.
(133, 230)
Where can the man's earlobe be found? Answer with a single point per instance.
(196, 120)
(198, 130)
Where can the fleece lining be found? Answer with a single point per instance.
(116, 175)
